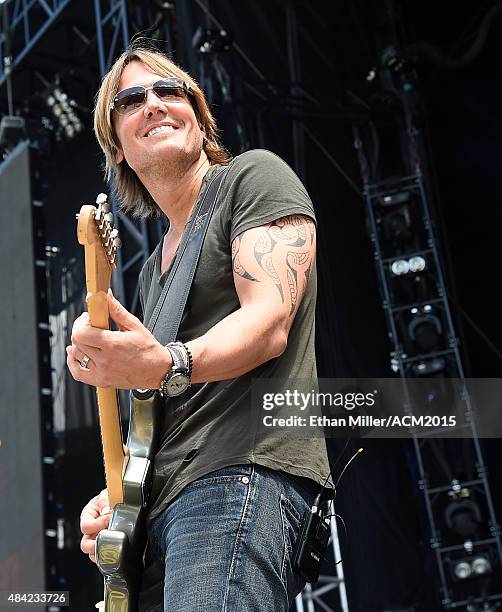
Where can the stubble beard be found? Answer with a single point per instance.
(172, 167)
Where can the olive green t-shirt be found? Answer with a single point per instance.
(215, 425)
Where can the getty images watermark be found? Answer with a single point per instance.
(383, 408)
(304, 402)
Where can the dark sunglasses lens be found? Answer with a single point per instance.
(129, 99)
(166, 89)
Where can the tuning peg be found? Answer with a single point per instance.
(117, 243)
(109, 217)
(102, 202)
(114, 233)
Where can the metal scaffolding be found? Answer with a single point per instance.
(28, 21)
(34, 18)
(402, 256)
(111, 26)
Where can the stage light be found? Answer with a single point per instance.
(63, 109)
(429, 367)
(425, 328)
(417, 264)
(394, 199)
(211, 40)
(462, 514)
(400, 267)
(481, 565)
(397, 229)
(395, 218)
(468, 546)
(462, 570)
(472, 567)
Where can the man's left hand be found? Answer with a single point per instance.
(130, 358)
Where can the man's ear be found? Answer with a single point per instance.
(119, 156)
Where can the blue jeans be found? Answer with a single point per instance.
(224, 544)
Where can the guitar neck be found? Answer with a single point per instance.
(95, 233)
(114, 457)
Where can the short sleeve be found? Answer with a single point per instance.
(261, 187)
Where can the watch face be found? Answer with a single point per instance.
(178, 383)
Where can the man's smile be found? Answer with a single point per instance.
(158, 128)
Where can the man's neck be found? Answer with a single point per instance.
(176, 192)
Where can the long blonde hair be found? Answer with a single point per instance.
(131, 193)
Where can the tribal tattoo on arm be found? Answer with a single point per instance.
(282, 252)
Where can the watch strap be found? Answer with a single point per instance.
(179, 356)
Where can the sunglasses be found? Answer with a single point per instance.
(130, 100)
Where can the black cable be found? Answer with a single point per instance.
(333, 161)
(426, 51)
(358, 452)
(319, 495)
(318, 498)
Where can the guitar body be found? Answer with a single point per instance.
(128, 469)
(120, 548)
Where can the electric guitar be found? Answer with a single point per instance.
(120, 548)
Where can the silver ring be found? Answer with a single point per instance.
(84, 361)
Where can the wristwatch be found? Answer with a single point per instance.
(177, 380)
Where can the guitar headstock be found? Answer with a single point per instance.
(96, 233)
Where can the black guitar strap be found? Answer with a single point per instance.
(173, 299)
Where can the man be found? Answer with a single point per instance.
(227, 495)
